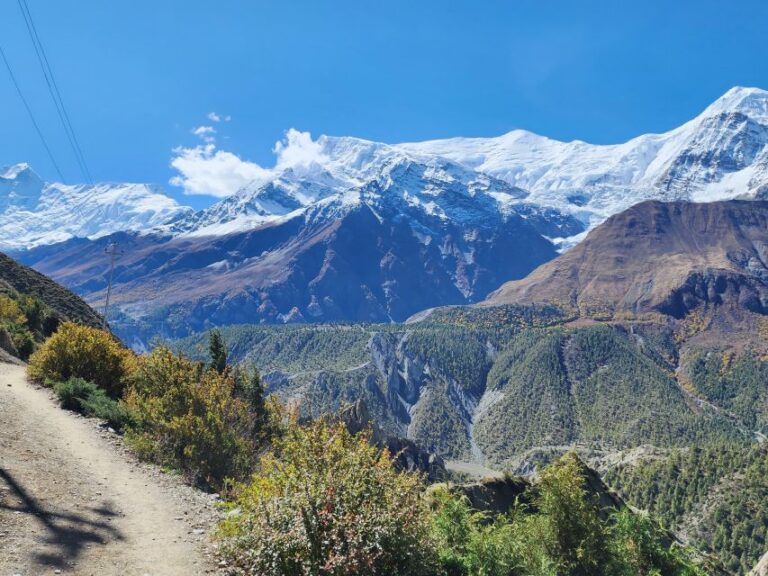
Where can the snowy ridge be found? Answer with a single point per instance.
(720, 154)
(351, 171)
(34, 213)
(564, 188)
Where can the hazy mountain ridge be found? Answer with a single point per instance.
(364, 260)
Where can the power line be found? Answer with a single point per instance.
(31, 115)
(53, 89)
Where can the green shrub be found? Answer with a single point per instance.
(35, 312)
(83, 352)
(73, 392)
(639, 543)
(23, 341)
(327, 502)
(471, 542)
(114, 412)
(10, 311)
(86, 398)
(17, 314)
(189, 418)
(571, 532)
(563, 533)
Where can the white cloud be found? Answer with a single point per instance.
(201, 130)
(205, 133)
(297, 150)
(204, 169)
(215, 117)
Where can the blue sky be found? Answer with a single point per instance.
(138, 76)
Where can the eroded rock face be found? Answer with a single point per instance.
(761, 568)
(408, 456)
(717, 288)
(499, 494)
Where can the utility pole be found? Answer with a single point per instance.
(113, 251)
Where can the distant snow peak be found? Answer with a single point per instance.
(718, 154)
(14, 171)
(33, 212)
(752, 102)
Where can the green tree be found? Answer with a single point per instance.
(250, 387)
(573, 534)
(217, 350)
(473, 543)
(562, 532)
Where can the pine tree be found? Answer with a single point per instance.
(217, 351)
(250, 388)
(254, 394)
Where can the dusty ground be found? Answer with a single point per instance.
(73, 500)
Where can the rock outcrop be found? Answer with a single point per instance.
(407, 455)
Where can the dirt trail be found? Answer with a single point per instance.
(73, 501)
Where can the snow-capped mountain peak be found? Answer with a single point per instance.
(33, 212)
(752, 102)
(19, 186)
(719, 154)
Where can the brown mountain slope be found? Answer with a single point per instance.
(659, 257)
(25, 280)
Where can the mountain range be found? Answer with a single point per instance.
(365, 231)
(34, 213)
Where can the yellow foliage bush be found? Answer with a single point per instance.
(188, 417)
(10, 311)
(76, 351)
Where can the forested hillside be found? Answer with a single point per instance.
(714, 494)
(513, 387)
(491, 384)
